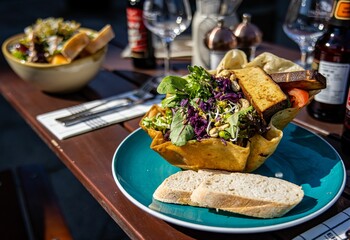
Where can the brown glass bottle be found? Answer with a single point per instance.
(140, 38)
(345, 138)
(332, 59)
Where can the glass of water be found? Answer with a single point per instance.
(167, 19)
(305, 22)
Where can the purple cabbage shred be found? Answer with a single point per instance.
(198, 123)
(184, 102)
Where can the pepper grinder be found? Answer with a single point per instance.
(219, 41)
(248, 36)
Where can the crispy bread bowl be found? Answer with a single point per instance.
(212, 153)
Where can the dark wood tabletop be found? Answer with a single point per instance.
(89, 156)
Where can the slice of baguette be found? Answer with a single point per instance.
(263, 93)
(75, 45)
(248, 194)
(178, 187)
(103, 37)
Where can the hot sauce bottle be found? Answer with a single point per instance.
(332, 59)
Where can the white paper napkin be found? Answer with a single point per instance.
(63, 132)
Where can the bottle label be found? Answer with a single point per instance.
(342, 10)
(337, 76)
(137, 32)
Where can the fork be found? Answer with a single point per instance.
(140, 94)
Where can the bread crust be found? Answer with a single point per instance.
(306, 80)
(75, 45)
(105, 35)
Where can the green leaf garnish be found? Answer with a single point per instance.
(180, 132)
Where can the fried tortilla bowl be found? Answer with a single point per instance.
(212, 153)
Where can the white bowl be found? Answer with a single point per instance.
(55, 78)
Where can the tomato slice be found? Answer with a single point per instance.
(298, 97)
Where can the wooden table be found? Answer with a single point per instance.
(89, 156)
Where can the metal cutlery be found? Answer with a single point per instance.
(91, 115)
(141, 95)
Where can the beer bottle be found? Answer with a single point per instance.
(139, 37)
(332, 59)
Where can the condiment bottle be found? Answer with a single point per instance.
(248, 36)
(139, 37)
(345, 139)
(219, 41)
(332, 59)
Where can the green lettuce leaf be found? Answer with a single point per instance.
(172, 85)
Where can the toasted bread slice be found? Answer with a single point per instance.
(105, 35)
(306, 80)
(75, 45)
(263, 93)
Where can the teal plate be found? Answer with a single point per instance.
(302, 158)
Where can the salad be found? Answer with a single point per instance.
(201, 105)
(44, 39)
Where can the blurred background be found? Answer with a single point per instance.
(19, 145)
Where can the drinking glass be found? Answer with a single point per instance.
(167, 19)
(305, 22)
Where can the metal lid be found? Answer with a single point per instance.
(247, 33)
(220, 38)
